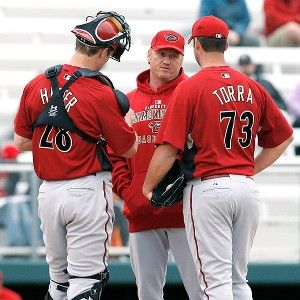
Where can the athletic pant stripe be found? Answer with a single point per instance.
(195, 241)
(108, 218)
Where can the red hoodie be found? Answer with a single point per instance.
(129, 174)
(280, 12)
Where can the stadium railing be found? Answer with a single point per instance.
(278, 236)
(275, 256)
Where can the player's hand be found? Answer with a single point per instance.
(148, 195)
(128, 117)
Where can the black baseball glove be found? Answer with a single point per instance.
(170, 190)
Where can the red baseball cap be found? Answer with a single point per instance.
(211, 27)
(168, 39)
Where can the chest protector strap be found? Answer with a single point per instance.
(55, 114)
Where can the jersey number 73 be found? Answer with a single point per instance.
(245, 136)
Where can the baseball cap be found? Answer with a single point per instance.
(245, 60)
(168, 39)
(211, 27)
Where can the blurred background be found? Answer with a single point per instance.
(36, 34)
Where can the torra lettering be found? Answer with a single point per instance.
(231, 93)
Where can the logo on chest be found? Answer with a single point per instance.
(154, 126)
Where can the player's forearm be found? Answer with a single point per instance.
(269, 155)
(161, 162)
(23, 144)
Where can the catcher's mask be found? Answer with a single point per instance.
(105, 30)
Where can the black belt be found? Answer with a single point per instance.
(222, 175)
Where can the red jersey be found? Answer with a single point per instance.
(280, 12)
(59, 154)
(128, 175)
(222, 111)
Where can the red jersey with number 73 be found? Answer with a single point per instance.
(221, 111)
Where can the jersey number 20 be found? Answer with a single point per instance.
(245, 138)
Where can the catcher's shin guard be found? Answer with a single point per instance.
(93, 294)
(58, 291)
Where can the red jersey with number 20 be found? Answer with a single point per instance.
(92, 106)
(222, 111)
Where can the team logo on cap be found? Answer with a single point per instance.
(171, 37)
(219, 35)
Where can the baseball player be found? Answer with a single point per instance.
(75, 198)
(222, 111)
(153, 231)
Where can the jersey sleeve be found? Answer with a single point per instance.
(118, 134)
(275, 129)
(22, 124)
(178, 120)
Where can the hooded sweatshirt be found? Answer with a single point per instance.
(129, 174)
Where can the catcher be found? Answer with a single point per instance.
(61, 120)
(153, 232)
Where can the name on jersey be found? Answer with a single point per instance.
(230, 93)
(69, 99)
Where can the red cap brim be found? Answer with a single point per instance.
(155, 48)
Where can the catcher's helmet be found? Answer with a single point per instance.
(106, 29)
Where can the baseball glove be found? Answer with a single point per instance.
(170, 190)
